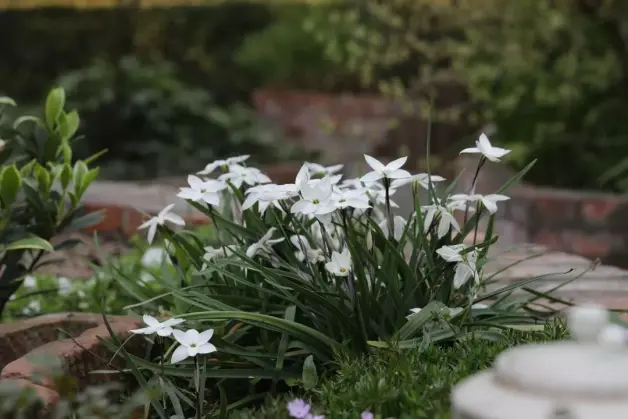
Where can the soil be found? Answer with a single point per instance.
(78, 261)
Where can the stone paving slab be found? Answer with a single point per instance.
(583, 280)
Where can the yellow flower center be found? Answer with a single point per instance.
(193, 345)
(343, 270)
(316, 202)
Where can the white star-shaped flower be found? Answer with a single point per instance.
(225, 164)
(160, 220)
(399, 225)
(315, 198)
(264, 245)
(483, 146)
(202, 191)
(239, 175)
(422, 179)
(191, 344)
(465, 263)
(446, 219)
(305, 251)
(340, 264)
(489, 201)
(391, 170)
(351, 198)
(154, 326)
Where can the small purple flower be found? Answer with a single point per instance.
(299, 409)
(367, 415)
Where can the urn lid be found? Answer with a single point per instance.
(565, 369)
(586, 378)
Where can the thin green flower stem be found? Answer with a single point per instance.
(478, 208)
(326, 238)
(473, 185)
(161, 349)
(357, 307)
(197, 386)
(391, 225)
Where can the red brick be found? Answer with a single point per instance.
(112, 219)
(131, 220)
(294, 131)
(47, 396)
(76, 354)
(589, 246)
(598, 210)
(558, 208)
(283, 173)
(549, 239)
(196, 218)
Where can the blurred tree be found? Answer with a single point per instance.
(551, 77)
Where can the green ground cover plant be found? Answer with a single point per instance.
(390, 383)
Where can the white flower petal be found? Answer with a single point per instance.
(375, 164)
(150, 320)
(398, 174)
(205, 336)
(472, 150)
(179, 335)
(174, 219)
(483, 142)
(396, 164)
(152, 231)
(371, 177)
(206, 348)
(143, 331)
(173, 322)
(192, 350)
(179, 354)
(164, 331)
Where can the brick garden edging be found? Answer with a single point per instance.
(592, 225)
(21, 340)
(126, 204)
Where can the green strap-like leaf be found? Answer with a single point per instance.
(32, 242)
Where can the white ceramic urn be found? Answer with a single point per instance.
(582, 379)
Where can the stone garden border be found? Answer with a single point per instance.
(588, 224)
(84, 352)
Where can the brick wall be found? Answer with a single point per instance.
(593, 225)
(340, 127)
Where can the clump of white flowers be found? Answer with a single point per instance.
(191, 342)
(323, 214)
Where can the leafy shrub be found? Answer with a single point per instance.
(199, 40)
(286, 55)
(416, 383)
(286, 269)
(549, 77)
(153, 124)
(40, 189)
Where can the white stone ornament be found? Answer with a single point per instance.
(582, 379)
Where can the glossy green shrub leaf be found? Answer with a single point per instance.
(43, 179)
(65, 175)
(54, 106)
(32, 242)
(78, 176)
(10, 184)
(68, 125)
